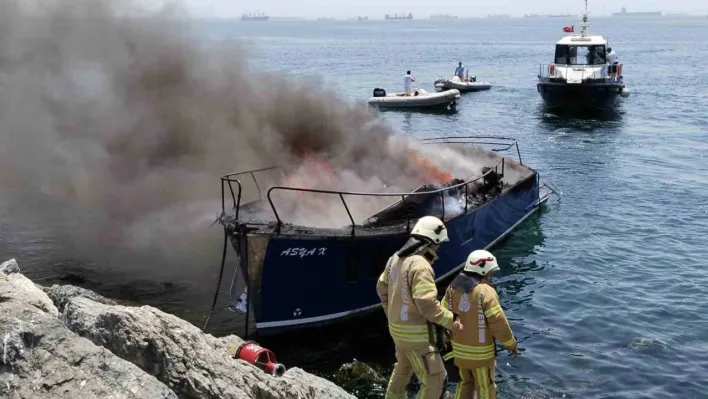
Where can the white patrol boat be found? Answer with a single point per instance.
(581, 76)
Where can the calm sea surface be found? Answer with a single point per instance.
(607, 289)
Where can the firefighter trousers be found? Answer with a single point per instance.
(427, 364)
(479, 381)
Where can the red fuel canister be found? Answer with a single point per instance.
(260, 357)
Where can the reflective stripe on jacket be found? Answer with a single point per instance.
(409, 298)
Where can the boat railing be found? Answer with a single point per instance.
(500, 144)
(231, 179)
(556, 71)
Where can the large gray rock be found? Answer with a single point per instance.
(49, 350)
(42, 359)
(60, 295)
(318, 387)
(9, 267)
(191, 363)
(21, 288)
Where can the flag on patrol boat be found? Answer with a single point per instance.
(569, 28)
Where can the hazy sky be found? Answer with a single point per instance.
(423, 8)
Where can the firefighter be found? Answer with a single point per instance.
(409, 298)
(475, 302)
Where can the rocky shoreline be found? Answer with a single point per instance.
(68, 342)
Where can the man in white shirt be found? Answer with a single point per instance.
(408, 83)
(460, 71)
(612, 59)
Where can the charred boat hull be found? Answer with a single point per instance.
(306, 280)
(297, 276)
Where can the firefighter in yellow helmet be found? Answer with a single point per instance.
(472, 299)
(409, 298)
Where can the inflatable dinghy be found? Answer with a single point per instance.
(419, 99)
(455, 82)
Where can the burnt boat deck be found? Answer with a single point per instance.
(397, 217)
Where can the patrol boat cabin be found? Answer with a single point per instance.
(580, 76)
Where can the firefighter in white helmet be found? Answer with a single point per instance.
(409, 298)
(475, 303)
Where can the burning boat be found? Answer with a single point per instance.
(297, 274)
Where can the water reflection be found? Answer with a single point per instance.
(414, 122)
(115, 284)
(516, 259)
(584, 120)
(421, 111)
(571, 142)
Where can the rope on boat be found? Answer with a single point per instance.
(218, 284)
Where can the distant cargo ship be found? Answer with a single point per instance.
(498, 16)
(362, 18)
(395, 16)
(560, 15)
(624, 13)
(254, 17)
(443, 16)
(531, 15)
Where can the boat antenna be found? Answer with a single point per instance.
(584, 25)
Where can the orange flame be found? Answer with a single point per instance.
(314, 172)
(430, 171)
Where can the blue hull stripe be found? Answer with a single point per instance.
(313, 280)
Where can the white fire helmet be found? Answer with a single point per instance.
(431, 228)
(481, 262)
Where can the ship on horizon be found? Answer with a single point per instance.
(443, 16)
(254, 17)
(395, 16)
(496, 16)
(624, 13)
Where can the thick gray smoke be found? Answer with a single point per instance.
(119, 123)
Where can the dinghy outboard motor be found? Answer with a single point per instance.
(378, 92)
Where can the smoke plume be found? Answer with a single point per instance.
(119, 122)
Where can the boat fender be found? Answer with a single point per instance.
(625, 92)
(260, 357)
(379, 92)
